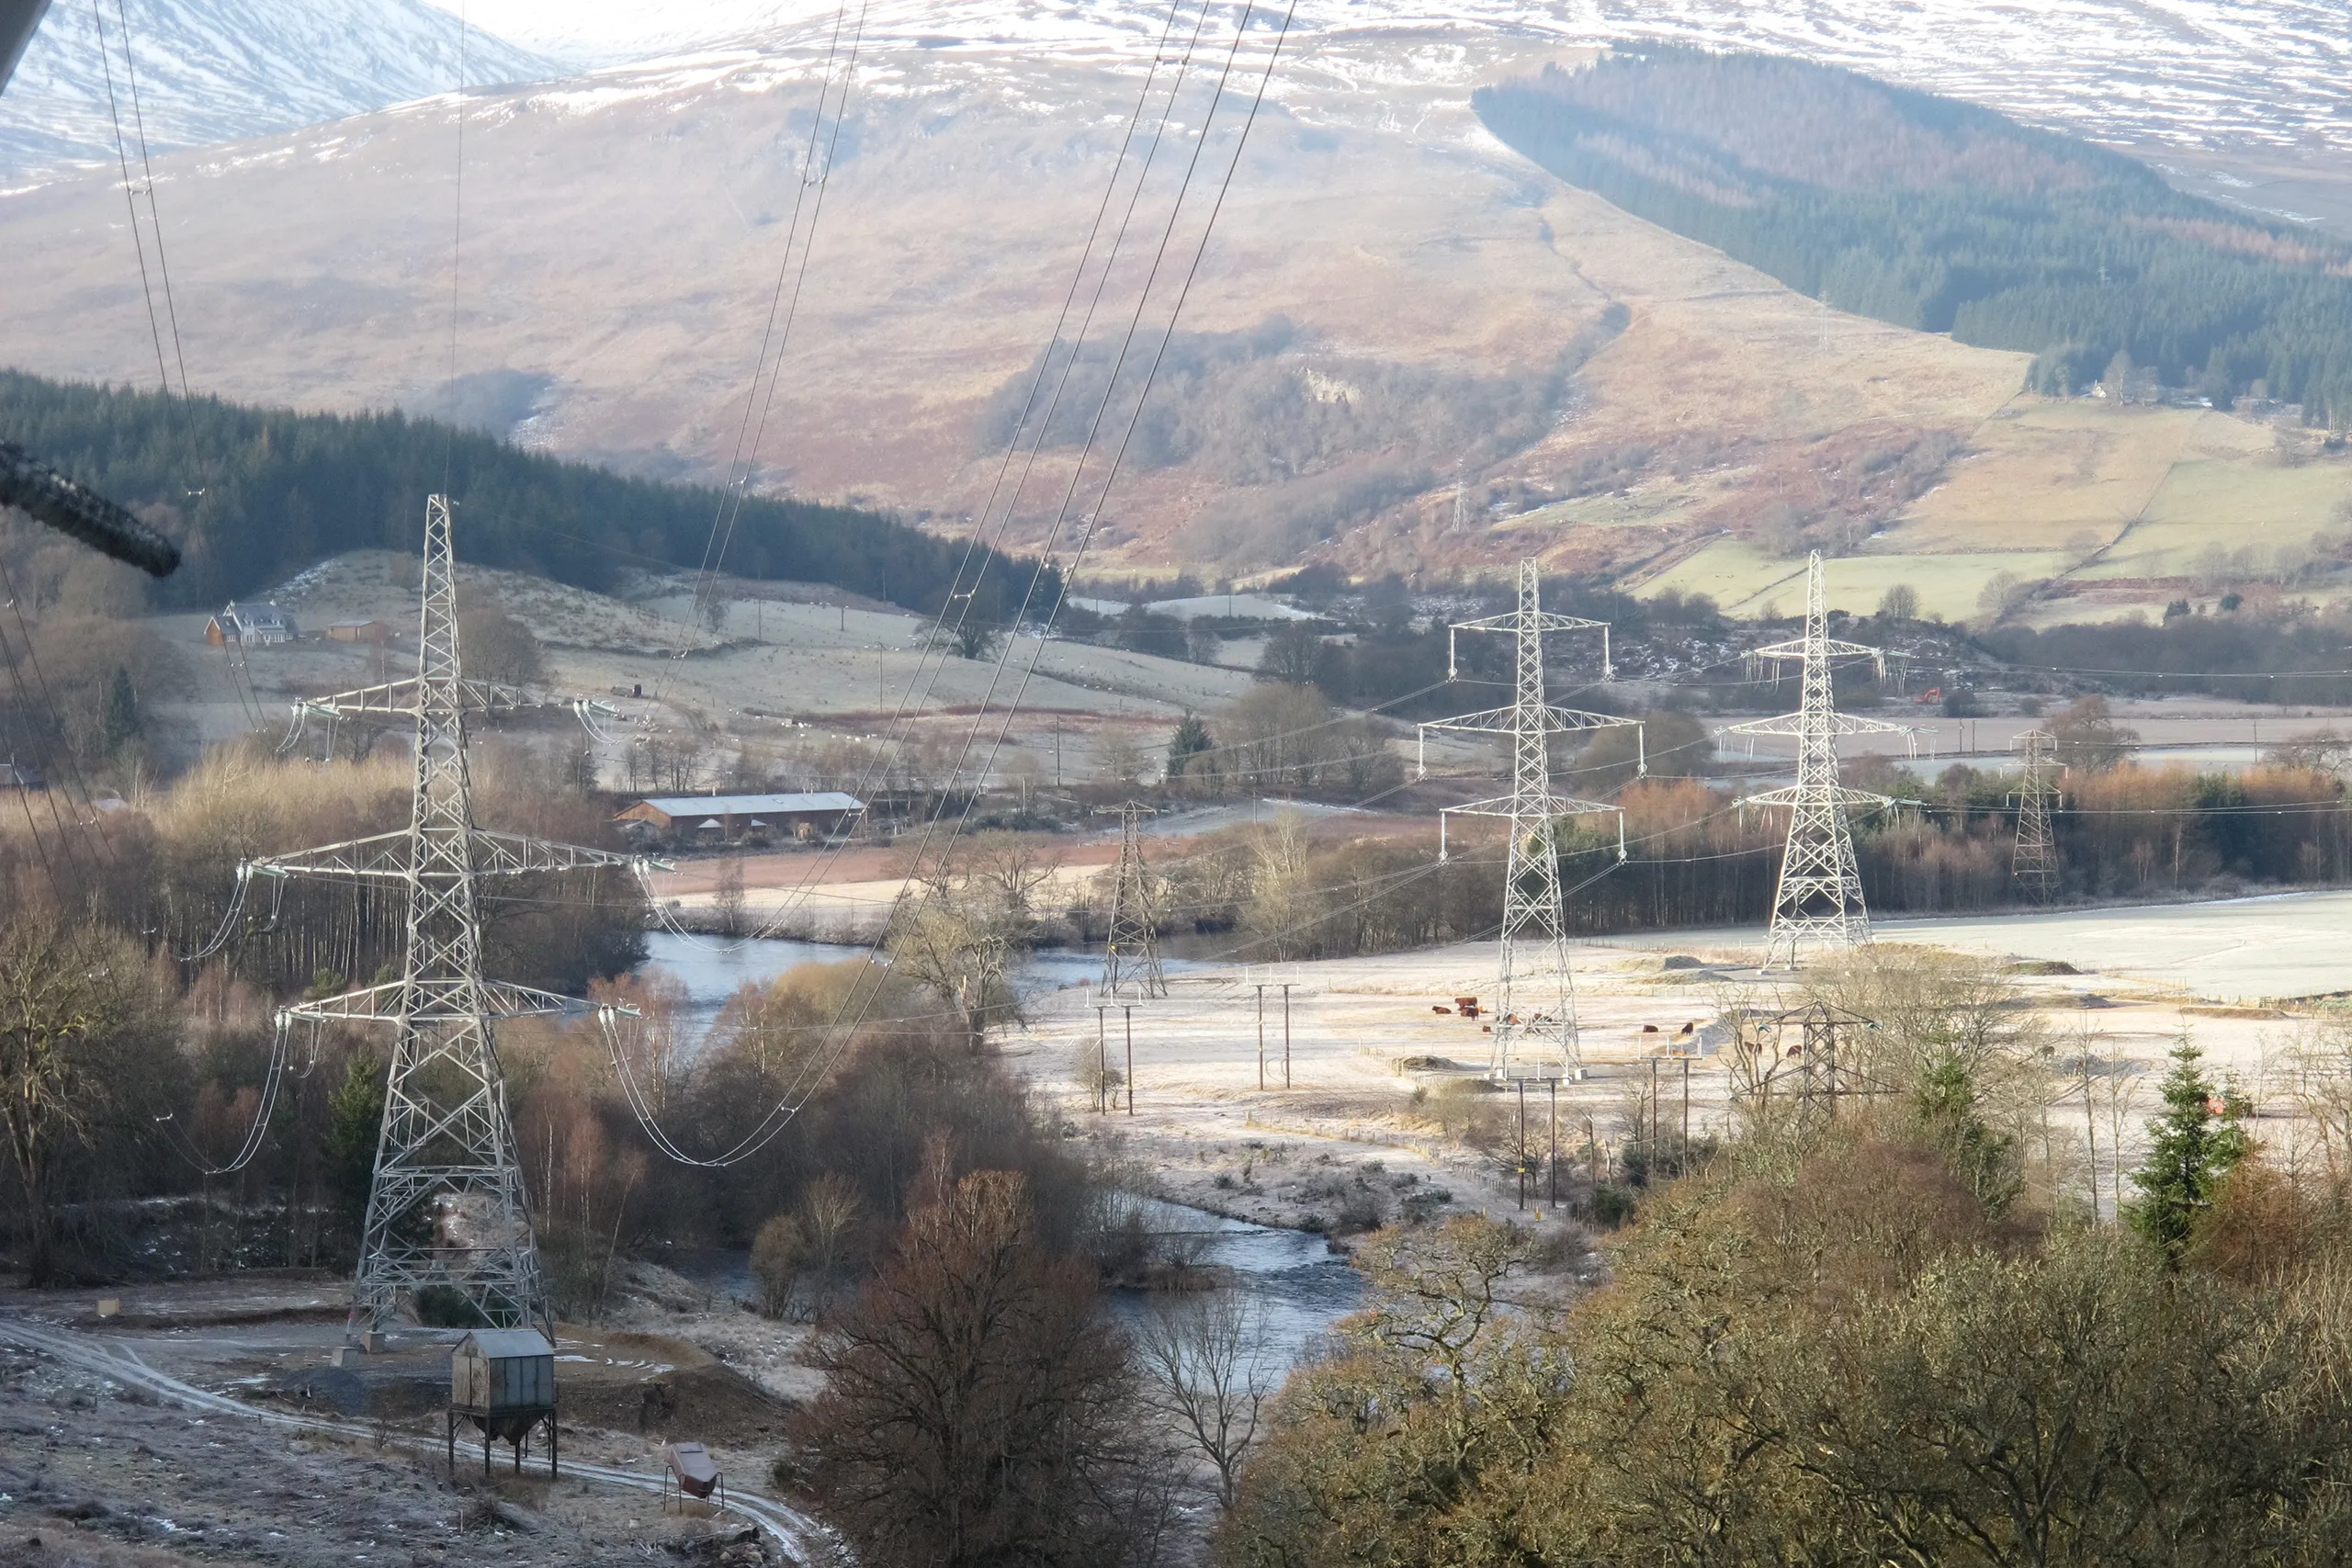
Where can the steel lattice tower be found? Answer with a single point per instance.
(2035, 860)
(1535, 1020)
(446, 1205)
(1818, 900)
(1131, 956)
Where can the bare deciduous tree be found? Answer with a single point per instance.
(1119, 761)
(827, 1208)
(778, 1254)
(727, 897)
(955, 936)
(1204, 1357)
(83, 1036)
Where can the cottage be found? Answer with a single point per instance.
(725, 817)
(249, 625)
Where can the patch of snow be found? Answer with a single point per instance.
(215, 71)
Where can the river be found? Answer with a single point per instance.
(713, 969)
(1299, 1287)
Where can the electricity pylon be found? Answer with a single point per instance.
(1536, 1019)
(446, 1206)
(1821, 1067)
(2035, 862)
(1131, 956)
(1819, 897)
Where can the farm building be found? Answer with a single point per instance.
(249, 625)
(725, 817)
(360, 631)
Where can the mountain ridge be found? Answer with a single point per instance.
(217, 71)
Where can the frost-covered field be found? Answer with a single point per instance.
(2238, 950)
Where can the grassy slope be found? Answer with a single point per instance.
(1756, 389)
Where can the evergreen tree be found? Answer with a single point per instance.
(2191, 1146)
(254, 495)
(1191, 739)
(119, 720)
(1942, 217)
(355, 1115)
(1950, 1111)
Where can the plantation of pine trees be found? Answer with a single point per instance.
(1947, 218)
(254, 495)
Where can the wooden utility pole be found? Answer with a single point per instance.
(1130, 1011)
(1523, 1144)
(1655, 1108)
(1102, 1060)
(1286, 1033)
(1261, 1037)
(1551, 1156)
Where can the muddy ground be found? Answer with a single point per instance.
(102, 1463)
(94, 1473)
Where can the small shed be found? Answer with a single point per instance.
(503, 1380)
(360, 631)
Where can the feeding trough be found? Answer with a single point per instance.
(689, 1468)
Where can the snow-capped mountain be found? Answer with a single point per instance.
(624, 227)
(212, 71)
(2196, 72)
(2191, 74)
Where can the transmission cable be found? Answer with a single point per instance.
(745, 454)
(1111, 388)
(130, 199)
(916, 695)
(259, 1131)
(772, 1125)
(457, 240)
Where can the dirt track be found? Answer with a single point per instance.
(109, 1459)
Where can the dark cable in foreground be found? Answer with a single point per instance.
(82, 513)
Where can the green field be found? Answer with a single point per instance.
(1745, 580)
(2253, 504)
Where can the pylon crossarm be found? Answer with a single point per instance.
(512, 855)
(1795, 648)
(1800, 724)
(389, 857)
(1552, 720)
(1522, 620)
(438, 998)
(1808, 795)
(378, 855)
(1513, 806)
(400, 699)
